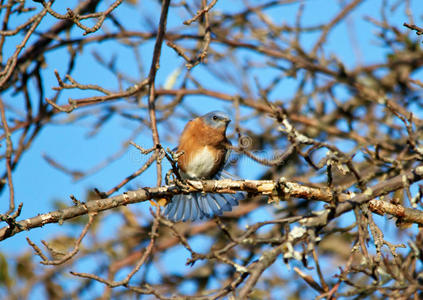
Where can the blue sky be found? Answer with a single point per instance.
(37, 184)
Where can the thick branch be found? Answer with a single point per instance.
(280, 188)
(380, 189)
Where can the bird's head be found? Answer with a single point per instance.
(216, 119)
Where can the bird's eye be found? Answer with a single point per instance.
(215, 118)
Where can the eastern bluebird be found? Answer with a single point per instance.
(206, 150)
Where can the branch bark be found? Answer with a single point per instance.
(278, 189)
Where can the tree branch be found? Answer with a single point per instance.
(278, 189)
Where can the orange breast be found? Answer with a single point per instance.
(204, 150)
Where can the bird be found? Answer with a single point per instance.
(205, 151)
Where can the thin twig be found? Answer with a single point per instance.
(8, 155)
(151, 82)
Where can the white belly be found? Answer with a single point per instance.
(201, 164)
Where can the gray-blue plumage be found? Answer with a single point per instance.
(216, 119)
(197, 206)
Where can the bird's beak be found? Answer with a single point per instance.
(227, 121)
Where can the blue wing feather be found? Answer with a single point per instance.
(213, 205)
(181, 209)
(225, 204)
(188, 208)
(197, 206)
(200, 203)
(170, 208)
(232, 199)
(195, 210)
(207, 211)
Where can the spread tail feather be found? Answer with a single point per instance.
(196, 206)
